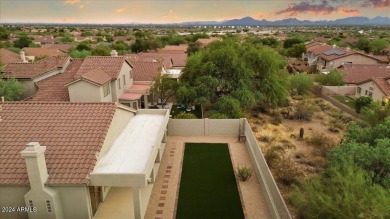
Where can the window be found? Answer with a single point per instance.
(331, 64)
(370, 94)
(119, 84)
(106, 89)
(366, 92)
(48, 206)
(371, 89)
(124, 80)
(131, 74)
(30, 203)
(359, 90)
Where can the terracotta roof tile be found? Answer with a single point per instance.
(383, 85)
(72, 133)
(110, 65)
(61, 47)
(146, 71)
(7, 56)
(357, 74)
(97, 76)
(35, 69)
(37, 52)
(54, 88)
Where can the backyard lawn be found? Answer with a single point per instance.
(208, 188)
(197, 112)
(346, 100)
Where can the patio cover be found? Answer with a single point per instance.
(131, 157)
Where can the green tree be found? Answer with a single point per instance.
(346, 192)
(67, 39)
(333, 78)
(361, 102)
(375, 113)
(120, 46)
(288, 43)
(83, 46)
(80, 54)
(363, 44)
(193, 47)
(300, 84)
(296, 50)
(22, 42)
(11, 89)
(378, 45)
(164, 87)
(101, 51)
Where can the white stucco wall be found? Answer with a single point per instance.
(30, 87)
(13, 196)
(203, 127)
(377, 93)
(82, 91)
(75, 201)
(115, 90)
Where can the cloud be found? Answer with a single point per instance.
(120, 10)
(169, 15)
(71, 1)
(81, 6)
(295, 9)
(344, 11)
(376, 3)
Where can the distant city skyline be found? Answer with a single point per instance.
(176, 11)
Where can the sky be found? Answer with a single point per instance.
(175, 11)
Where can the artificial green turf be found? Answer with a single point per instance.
(346, 100)
(208, 188)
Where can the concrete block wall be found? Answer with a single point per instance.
(204, 127)
(339, 90)
(275, 202)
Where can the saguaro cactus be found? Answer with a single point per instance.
(301, 133)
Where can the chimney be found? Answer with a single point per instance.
(114, 53)
(23, 56)
(34, 155)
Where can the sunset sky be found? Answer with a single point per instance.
(173, 11)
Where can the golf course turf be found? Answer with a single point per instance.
(208, 188)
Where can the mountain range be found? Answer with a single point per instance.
(249, 21)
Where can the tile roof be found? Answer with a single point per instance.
(321, 49)
(383, 85)
(130, 96)
(110, 65)
(41, 52)
(206, 42)
(357, 73)
(35, 69)
(54, 88)
(7, 56)
(178, 48)
(61, 47)
(72, 132)
(179, 59)
(146, 71)
(97, 76)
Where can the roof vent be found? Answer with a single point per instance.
(334, 46)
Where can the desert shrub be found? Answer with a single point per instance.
(184, 115)
(273, 154)
(337, 124)
(299, 155)
(375, 113)
(277, 118)
(286, 171)
(305, 110)
(347, 192)
(322, 143)
(333, 78)
(218, 116)
(300, 84)
(244, 172)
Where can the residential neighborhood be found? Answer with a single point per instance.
(178, 113)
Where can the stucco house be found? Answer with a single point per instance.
(60, 159)
(31, 73)
(7, 56)
(370, 80)
(327, 57)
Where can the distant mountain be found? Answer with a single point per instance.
(249, 21)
